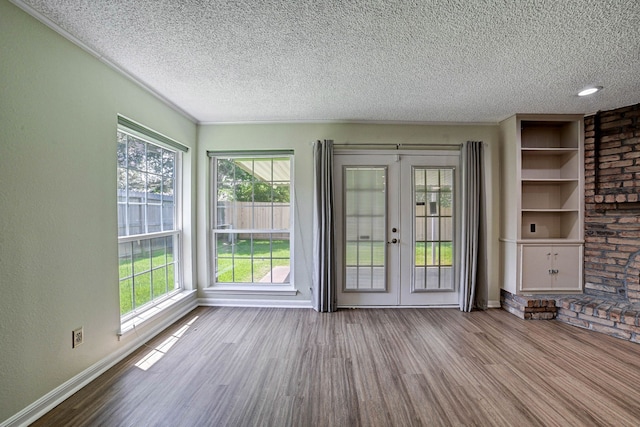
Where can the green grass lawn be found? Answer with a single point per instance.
(237, 263)
(425, 256)
(143, 277)
(372, 253)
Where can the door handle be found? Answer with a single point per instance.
(393, 241)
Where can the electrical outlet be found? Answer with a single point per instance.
(77, 337)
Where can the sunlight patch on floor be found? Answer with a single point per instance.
(163, 348)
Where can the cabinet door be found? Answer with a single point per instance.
(551, 268)
(565, 262)
(535, 268)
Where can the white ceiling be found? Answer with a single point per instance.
(364, 60)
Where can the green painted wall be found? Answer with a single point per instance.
(300, 138)
(58, 245)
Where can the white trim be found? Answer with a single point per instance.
(224, 302)
(213, 229)
(154, 311)
(148, 236)
(138, 130)
(56, 396)
(400, 149)
(257, 289)
(354, 122)
(456, 306)
(494, 304)
(107, 61)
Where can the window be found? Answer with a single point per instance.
(252, 218)
(149, 231)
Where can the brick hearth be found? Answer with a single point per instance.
(616, 318)
(539, 307)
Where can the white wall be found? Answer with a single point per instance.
(58, 244)
(300, 138)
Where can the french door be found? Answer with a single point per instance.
(396, 228)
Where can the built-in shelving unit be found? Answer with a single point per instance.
(542, 187)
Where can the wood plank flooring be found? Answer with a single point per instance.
(369, 367)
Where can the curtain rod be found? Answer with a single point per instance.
(399, 146)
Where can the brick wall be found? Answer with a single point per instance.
(612, 204)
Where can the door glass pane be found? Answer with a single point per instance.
(365, 223)
(433, 229)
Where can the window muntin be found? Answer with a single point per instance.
(433, 195)
(148, 230)
(252, 219)
(365, 205)
(146, 182)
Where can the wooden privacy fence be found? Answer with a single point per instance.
(144, 212)
(255, 216)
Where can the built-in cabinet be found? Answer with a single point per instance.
(550, 267)
(542, 204)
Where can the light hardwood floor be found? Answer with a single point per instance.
(368, 367)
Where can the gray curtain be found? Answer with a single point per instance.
(323, 290)
(473, 223)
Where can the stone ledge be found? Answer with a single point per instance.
(619, 319)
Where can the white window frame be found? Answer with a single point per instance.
(253, 288)
(158, 304)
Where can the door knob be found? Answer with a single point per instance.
(394, 241)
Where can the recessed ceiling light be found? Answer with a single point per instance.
(589, 91)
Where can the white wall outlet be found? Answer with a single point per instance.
(77, 337)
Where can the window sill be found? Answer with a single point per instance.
(258, 289)
(155, 311)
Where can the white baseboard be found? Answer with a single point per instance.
(56, 396)
(228, 302)
(400, 307)
(494, 304)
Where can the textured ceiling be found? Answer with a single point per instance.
(376, 60)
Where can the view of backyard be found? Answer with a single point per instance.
(248, 261)
(139, 271)
(372, 253)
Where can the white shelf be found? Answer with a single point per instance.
(548, 151)
(550, 194)
(550, 224)
(549, 180)
(550, 210)
(549, 134)
(550, 164)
